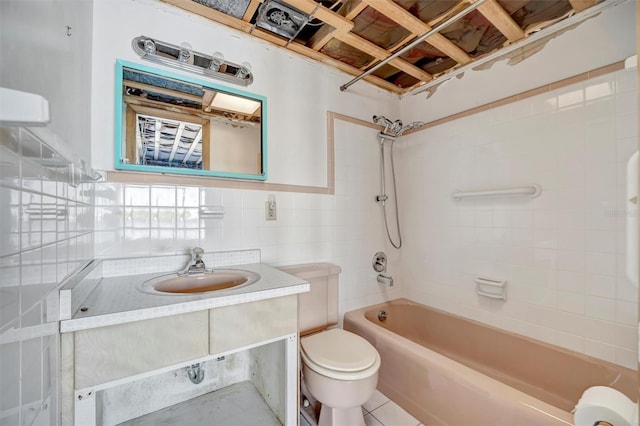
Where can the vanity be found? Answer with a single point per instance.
(128, 354)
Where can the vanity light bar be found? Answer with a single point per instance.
(184, 58)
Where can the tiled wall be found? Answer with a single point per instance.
(46, 232)
(561, 253)
(345, 228)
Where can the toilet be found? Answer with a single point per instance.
(339, 368)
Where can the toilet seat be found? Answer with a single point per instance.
(339, 354)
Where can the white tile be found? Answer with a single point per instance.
(545, 238)
(501, 218)
(369, 420)
(136, 195)
(601, 263)
(392, 414)
(163, 196)
(571, 239)
(570, 302)
(599, 89)
(376, 400)
(626, 312)
(601, 241)
(626, 80)
(627, 125)
(600, 350)
(187, 196)
(483, 218)
(521, 219)
(601, 285)
(600, 307)
(570, 341)
(571, 281)
(571, 260)
(626, 358)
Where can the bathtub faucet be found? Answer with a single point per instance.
(385, 279)
(196, 265)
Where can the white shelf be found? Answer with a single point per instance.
(22, 109)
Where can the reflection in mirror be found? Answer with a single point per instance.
(174, 124)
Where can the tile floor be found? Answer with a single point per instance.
(381, 411)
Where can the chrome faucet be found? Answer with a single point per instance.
(196, 265)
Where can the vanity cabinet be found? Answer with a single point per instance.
(106, 354)
(100, 358)
(241, 325)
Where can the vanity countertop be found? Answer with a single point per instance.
(117, 300)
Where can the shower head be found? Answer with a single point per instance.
(395, 128)
(410, 126)
(391, 128)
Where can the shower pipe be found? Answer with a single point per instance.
(391, 131)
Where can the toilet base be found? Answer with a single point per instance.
(341, 416)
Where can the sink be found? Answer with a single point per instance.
(216, 280)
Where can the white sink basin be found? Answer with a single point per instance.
(218, 279)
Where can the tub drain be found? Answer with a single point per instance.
(382, 315)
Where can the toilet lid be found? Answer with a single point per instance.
(339, 350)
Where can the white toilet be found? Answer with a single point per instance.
(339, 368)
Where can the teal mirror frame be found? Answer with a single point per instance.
(120, 134)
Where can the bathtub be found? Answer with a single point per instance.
(448, 370)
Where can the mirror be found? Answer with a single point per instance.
(171, 123)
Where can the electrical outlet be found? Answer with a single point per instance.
(270, 210)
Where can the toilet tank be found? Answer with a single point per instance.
(318, 308)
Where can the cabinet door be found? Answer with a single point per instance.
(237, 326)
(114, 352)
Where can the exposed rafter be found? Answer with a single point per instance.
(383, 23)
(501, 20)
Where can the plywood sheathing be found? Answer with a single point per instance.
(361, 33)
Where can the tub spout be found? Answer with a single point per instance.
(385, 279)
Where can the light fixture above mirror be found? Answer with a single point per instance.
(185, 58)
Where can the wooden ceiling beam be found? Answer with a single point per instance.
(322, 37)
(238, 24)
(310, 53)
(580, 5)
(355, 8)
(326, 32)
(382, 54)
(417, 27)
(318, 11)
(501, 20)
(251, 10)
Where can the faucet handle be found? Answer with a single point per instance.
(197, 253)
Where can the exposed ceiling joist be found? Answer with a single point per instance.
(320, 12)
(501, 20)
(251, 10)
(363, 35)
(580, 5)
(417, 28)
